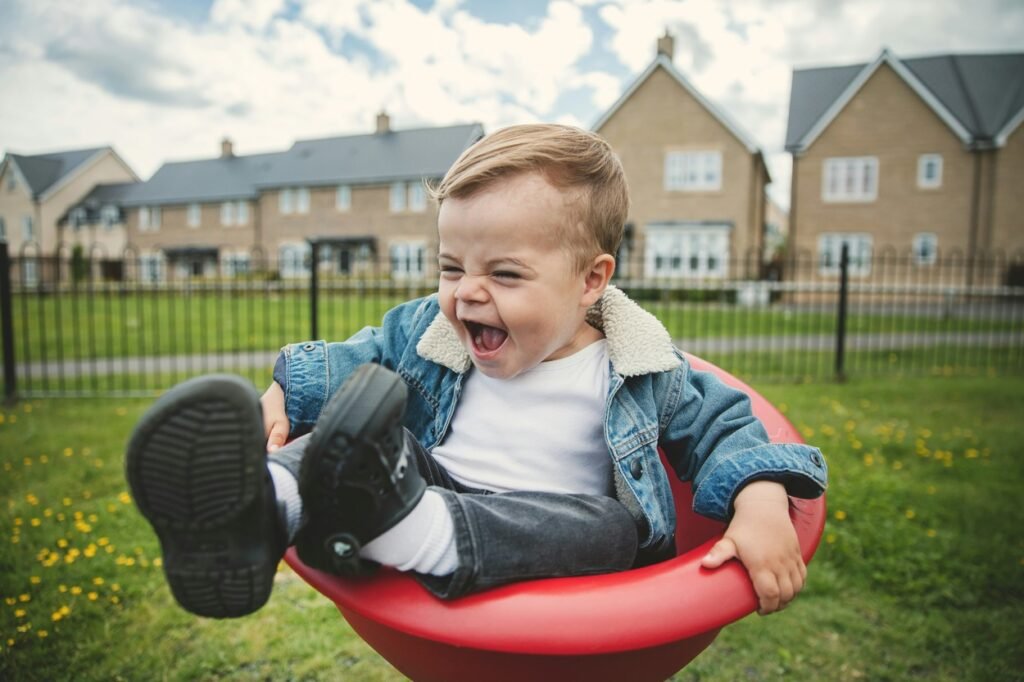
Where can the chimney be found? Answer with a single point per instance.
(383, 123)
(667, 45)
(227, 150)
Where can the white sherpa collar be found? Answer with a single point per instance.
(637, 342)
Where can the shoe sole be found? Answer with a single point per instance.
(347, 444)
(196, 467)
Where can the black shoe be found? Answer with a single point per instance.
(356, 479)
(196, 465)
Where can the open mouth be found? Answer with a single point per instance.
(486, 339)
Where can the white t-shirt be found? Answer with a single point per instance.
(542, 430)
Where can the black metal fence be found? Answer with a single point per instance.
(83, 325)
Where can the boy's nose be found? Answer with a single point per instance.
(471, 290)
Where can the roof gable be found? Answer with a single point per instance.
(43, 171)
(977, 96)
(664, 62)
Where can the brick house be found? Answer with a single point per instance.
(697, 180)
(361, 198)
(36, 192)
(922, 157)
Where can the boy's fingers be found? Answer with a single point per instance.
(278, 435)
(768, 592)
(723, 550)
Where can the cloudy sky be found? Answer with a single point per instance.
(167, 79)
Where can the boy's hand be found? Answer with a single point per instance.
(762, 537)
(275, 419)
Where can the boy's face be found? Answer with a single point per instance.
(507, 286)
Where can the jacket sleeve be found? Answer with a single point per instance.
(712, 438)
(312, 371)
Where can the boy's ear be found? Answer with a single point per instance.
(596, 278)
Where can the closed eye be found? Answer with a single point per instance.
(505, 274)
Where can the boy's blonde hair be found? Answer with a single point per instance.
(573, 160)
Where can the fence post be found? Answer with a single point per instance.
(844, 281)
(314, 266)
(7, 326)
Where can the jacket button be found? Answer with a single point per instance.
(308, 347)
(637, 469)
(816, 458)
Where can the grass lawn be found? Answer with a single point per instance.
(920, 574)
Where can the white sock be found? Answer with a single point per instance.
(287, 490)
(424, 541)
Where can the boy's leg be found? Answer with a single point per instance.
(196, 467)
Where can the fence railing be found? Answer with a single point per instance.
(78, 326)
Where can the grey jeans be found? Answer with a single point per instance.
(508, 537)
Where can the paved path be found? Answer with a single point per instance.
(236, 362)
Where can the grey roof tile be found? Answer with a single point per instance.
(42, 171)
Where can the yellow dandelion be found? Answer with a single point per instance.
(158, 562)
(65, 610)
(10, 642)
(89, 552)
(125, 498)
(114, 587)
(114, 599)
(103, 542)
(62, 588)
(19, 613)
(18, 521)
(35, 580)
(932, 532)
(840, 515)
(93, 518)
(111, 507)
(850, 425)
(43, 634)
(32, 499)
(66, 501)
(806, 431)
(97, 581)
(869, 460)
(24, 597)
(60, 516)
(62, 543)
(79, 516)
(27, 461)
(910, 513)
(43, 459)
(93, 596)
(76, 590)
(83, 527)
(68, 452)
(897, 465)
(830, 538)
(47, 513)
(10, 601)
(56, 616)
(971, 453)
(36, 522)
(27, 408)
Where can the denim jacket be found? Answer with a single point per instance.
(655, 400)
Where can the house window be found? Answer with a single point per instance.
(242, 213)
(12, 181)
(830, 248)
(926, 248)
(687, 251)
(77, 218)
(397, 197)
(293, 259)
(235, 264)
(302, 200)
(286, 201)
(27, 230)
(343, 198)
(407, 259)
(850, 179)
(110, 215)
(227, 213)
(417, 197)
(3, 230)
(195, 215)
(929, 171)
(29, 272)
(693, 171)
(151, 267)
(149, 218)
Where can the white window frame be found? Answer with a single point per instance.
(293, 259)
(926, 248)
(227, 213)
(12, 180)
(417, 197)
(27, 228)
(397, 197)
(830, 248)
(110, 215)
(29, 272)
(77, 217)
(302, 200)
(235, 263)
(194, 216)
(849, 179)
(242, 212)
(149, 218)
(693, 171)
(408, 259)
(343, 198)
(286, 201)
(681, 251)
(923, 162)
(151, 267)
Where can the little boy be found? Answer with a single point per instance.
(504, 429)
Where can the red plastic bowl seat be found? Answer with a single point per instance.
(642, 624)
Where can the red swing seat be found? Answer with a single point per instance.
(642, 624)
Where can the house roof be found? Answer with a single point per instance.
(664, 62)
(980, 97)
(43, 171)
(354, 159)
